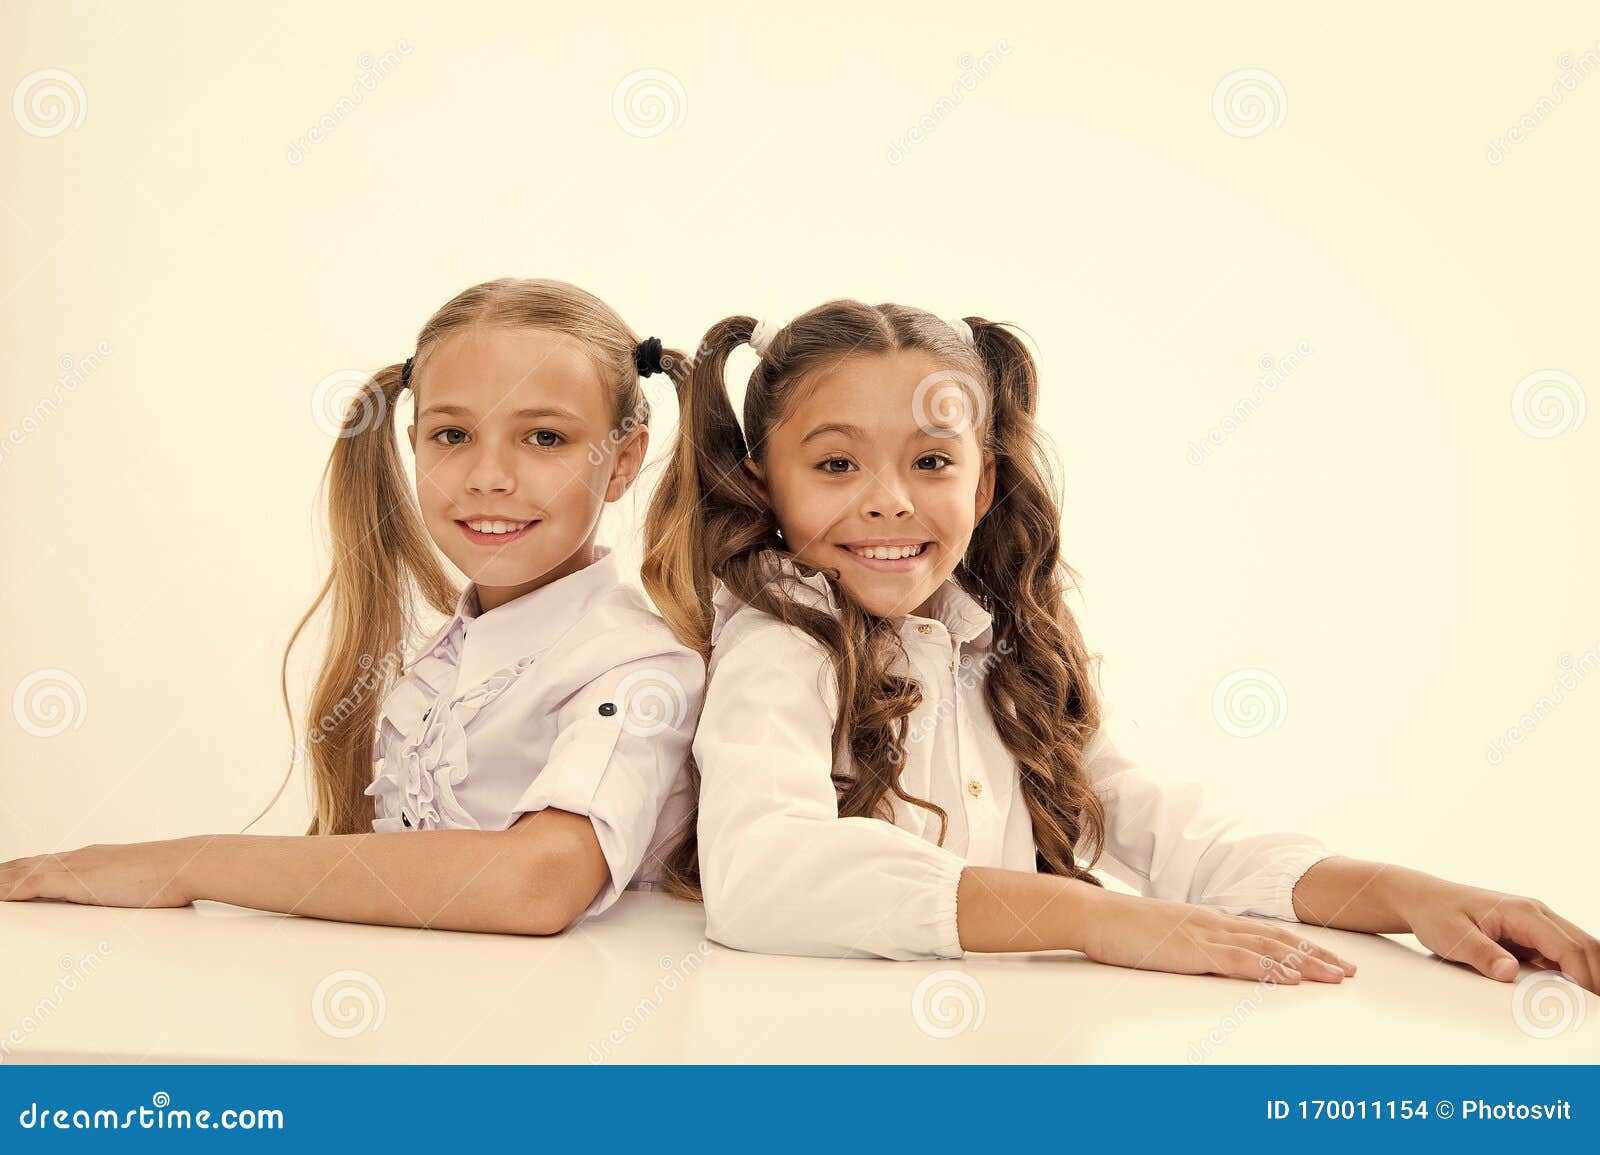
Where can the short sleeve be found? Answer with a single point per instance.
(1163, 839)
(620, 745)
(782, 872)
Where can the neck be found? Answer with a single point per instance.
(492, 597)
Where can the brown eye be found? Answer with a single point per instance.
(827, 465)
(443, 432)
(539, 436)
(939, 461)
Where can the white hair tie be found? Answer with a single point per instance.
(761, 336)
(963, 330)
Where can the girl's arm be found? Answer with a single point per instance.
(1486, 929)
(1012, 910)
(1003, 910)
(535, 877)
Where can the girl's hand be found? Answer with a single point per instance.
(1154, 934)
(1491, 931)
(138, 874)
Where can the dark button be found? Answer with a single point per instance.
(426, 712)
(607, 709)
(405, 819)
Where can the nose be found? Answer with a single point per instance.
(885, 500)
(491, 471)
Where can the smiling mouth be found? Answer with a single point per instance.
(891, 557)
(493, 531)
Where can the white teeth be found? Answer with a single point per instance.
(496, 526)
(889, 552)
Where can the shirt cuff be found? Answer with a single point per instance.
(1287, 873)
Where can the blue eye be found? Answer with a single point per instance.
(449, 429)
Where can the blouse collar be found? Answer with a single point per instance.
(951, 606)
(529, 624)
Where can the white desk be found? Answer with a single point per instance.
(217, 983)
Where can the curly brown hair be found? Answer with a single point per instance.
(709, 522)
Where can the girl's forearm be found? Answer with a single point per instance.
(1016, 910)
(446, 879)
(1354, 894)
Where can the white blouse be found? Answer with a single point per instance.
(784, 874)
(575, 695)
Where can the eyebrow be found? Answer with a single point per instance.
(835, 427)
(539, 411)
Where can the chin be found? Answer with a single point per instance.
(887, 603)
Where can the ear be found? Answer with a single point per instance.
(758, 476)
(628, 461)
(985, 495)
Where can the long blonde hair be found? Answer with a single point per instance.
(708, 522)
(383, 559)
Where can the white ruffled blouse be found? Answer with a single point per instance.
(783, 873)
(575, 696)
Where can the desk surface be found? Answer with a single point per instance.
(641, 984)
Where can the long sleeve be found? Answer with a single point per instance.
(782, 873)
(1162, 838)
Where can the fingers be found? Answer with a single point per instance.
(1531, 924)
(1305, 947)
(1308, 963)
(1245, 963)
(1484, 955)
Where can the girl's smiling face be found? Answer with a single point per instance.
(515, 456)
(864, 480)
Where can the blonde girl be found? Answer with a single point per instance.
(902, 751)
(526, 764)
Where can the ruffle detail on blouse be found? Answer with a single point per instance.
(416, 775)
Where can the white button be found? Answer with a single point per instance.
(975, 788)
(924, 628)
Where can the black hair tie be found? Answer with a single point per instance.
(647, 357)
(405, 374)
